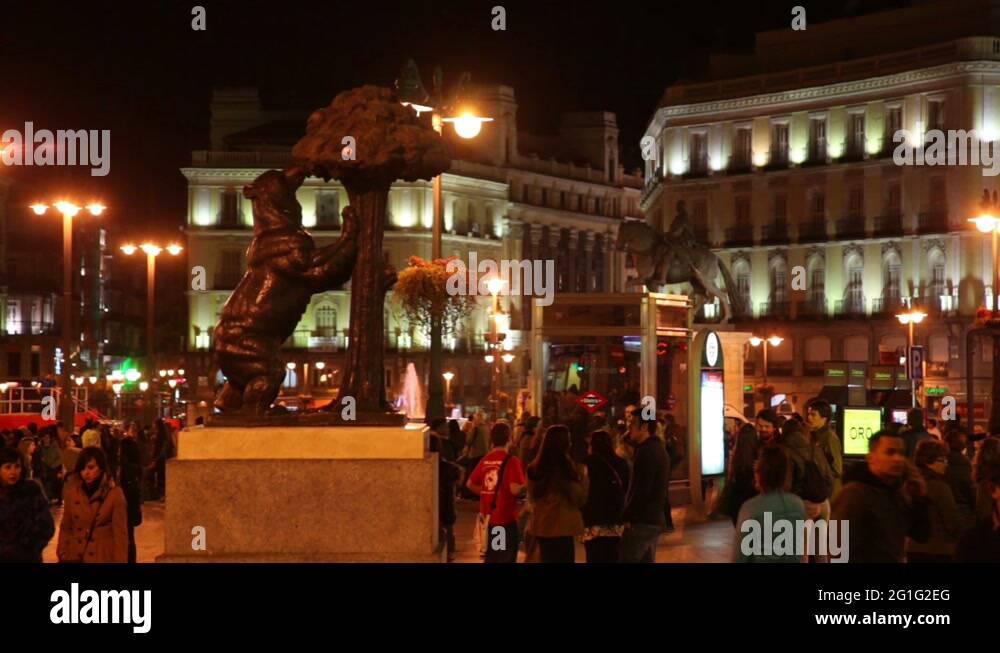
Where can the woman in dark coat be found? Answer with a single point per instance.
(740, 476)
(130, 480)
(602, 514)
(26, 524)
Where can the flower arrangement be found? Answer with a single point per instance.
(422, 290)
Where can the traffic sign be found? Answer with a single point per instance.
(915, 362)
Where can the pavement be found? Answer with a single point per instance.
(696, 539)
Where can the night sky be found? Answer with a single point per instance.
(138, 69)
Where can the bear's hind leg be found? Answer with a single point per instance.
(261, 392)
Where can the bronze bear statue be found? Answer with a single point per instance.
(284, 270)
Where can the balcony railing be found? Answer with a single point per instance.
(777, 310)
(850, 308)
(743, 310)
(739, 164)
(852, 227)
(814, 307)
(888, 305)
(739, 236)
(775, 233)
(933, 222)
(888, 225)
(698, 167)
(812, 231)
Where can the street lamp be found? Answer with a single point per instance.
(411, 92)
(988, 222)
(911, 318)
(68, 210)
(448, 376)
(152, 251)
(773, 341)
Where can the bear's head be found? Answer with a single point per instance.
(274, 203)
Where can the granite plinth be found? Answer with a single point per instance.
(329, 499)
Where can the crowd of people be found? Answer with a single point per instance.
(918, 496)
(544, 489)
(98, 476)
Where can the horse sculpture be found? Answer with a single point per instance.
(661, 260)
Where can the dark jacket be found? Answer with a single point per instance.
(799, 452)
(647, 491)
(130, 474)
(959, 478)
(980, 544)
(880, 518)
(832, 448)
(947, 524)
(448, 475)
(26, 524)
(912, 438)
(606, 498)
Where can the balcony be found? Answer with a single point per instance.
(739, 236)
(888, 305)
(743, 310)
(888, 226)
(698, 168)
(813, 231)
(739, 164)
(780, 310)
(816, 156)
(28, 328)
(850, 308)
(775, 233)
(812, 308)
(778, 161)
(852, 227)
(855, 152)
(934, 222)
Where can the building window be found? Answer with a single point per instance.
(779, 281)
(230, 214)
(742, 210)
(938, 195)
(231, 269)
(326, 321)
(894, 199)
(779, 143)
(741, 269)
(817, 139)
(780, 207)
(855, 286)
(856, 202)
(892, 273)
(545, 197)
(13, 364)
(817, 205)
(36, 364)
(893, 123)
(328, 209)
(856, 134)
(743, 151)
(935, 114)
(699, 152)
(817, 283)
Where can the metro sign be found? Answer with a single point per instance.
(591, 400)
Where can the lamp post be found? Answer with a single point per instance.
(911, 318)
(152, 251)
(69, 210)
(988, 222)
(774, 341)
(411, 92)
(448, 376)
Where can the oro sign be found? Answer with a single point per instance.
(591, 400)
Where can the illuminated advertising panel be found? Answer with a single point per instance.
(713, 449)
(859, 426)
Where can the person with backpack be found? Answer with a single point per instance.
(602, 514)
(818, 414)
(811, 478)
(498, 480)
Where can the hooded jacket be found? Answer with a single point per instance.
(880, 518)
(26, 524)
(106, 511)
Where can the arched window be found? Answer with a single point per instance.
(891, 281)
(816, 267)
(326, 321)
(741, 270)
(936, 286)
(291, 380)
(854, 296)
(779, 281)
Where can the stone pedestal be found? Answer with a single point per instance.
(303, 494)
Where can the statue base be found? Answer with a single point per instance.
(316, 418)
(308, 494)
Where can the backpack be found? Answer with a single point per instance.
(816, 483)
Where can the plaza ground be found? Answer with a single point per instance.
(694, 540)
